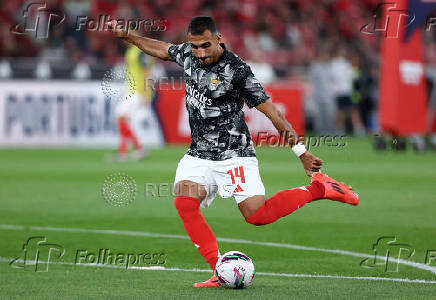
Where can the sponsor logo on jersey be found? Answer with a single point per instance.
(195, 98)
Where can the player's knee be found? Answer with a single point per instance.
(251, 209)
(186, 188)
(260, 218)
(252, 218)
(185, 204)
(254, 221)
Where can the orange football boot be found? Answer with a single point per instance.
(335, 190)
(212, 282)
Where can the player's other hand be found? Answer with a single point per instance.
(118, 31)
(311, 163)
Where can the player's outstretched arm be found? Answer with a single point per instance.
(152, 47)
(310, 162)
(279, 121)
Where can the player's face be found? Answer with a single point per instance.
(205, 46)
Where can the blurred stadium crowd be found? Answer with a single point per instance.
(313, 41)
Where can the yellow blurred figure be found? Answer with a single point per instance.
(139, 66)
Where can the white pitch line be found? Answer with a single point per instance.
(225, 240)
(289, 275)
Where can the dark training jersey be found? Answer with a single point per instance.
(215, 96)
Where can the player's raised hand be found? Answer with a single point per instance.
(311, 163)
(118, 31)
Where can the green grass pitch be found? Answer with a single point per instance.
(56, 192)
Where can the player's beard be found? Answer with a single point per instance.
(207, 61)
(211, 58)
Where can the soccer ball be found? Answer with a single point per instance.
(235, 270)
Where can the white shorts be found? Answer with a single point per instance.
(237, 176)
(127, 107)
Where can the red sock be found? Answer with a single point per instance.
(136, 144)
(317, 190)
(122, 149)
(280, 205)
(198, 230)
(124, 129)
(126, 135)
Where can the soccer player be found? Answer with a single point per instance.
(221, 157)
(139, 66)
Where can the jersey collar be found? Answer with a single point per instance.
(222, 54)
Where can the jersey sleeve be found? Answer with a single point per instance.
(249, 87)
(179, 53)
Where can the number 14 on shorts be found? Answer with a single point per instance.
(237, 172)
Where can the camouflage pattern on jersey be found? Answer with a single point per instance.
(215, 96)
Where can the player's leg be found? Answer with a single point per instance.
(123, 112)
(141, 113)
(249, 192)
(189, 195)
(139, 152)
(136, 144)
(258, 211)
(128, 135)
(356, 120)
(124, 137)
(340, 114)
(131, 136)
(133, 116)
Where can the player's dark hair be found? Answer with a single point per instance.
(199, 24)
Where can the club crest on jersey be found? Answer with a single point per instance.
(214, 82)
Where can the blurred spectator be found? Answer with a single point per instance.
(342, 83)
(284, 31)
(365, 92)
(263, 71)
(324, 114)
(431, 76)
(278, 38)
